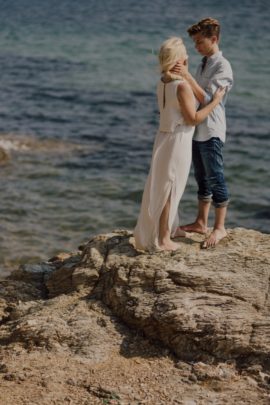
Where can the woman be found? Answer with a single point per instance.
(158, 220)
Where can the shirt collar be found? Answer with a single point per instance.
(215, 56)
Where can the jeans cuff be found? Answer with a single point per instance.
(205, 198)
(221, 204)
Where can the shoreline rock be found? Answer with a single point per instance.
(4, 156)
(209, 311)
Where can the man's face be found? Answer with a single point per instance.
(204, 45)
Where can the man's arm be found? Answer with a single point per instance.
(198, 91)
(187, 105)
(222, 78)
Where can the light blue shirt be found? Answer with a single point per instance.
(217, 72)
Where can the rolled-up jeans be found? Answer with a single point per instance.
(209, 171)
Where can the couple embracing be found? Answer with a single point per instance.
(192, 127)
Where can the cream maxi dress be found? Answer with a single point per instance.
(170, 165)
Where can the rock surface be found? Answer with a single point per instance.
(4, 156)
(110, 324)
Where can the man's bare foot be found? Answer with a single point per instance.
(216, 236)
(169, 245)
(179, 233)
(194, 227)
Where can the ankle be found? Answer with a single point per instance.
(201, 222)
(164, 236)
(219, 227)
(164, 241)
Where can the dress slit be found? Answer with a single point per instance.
(167, 196)
(170, 164)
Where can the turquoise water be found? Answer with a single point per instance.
(78, 116)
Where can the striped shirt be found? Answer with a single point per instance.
(216, 72)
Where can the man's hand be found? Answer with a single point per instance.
(181, 69)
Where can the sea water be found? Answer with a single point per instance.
(78, 116)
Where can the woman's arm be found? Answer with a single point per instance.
(198, 91)
(187, 105)
(222, 77)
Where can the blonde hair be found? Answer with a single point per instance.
(170, 52)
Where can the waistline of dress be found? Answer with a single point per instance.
(179, 127)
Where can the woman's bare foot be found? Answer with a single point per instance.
(216, 236)
(194, 227)
(179, 233)
(169, 245)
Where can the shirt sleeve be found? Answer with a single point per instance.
(222, 78)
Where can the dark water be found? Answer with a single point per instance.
(78, 116)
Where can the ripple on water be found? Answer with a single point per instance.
(89, 109)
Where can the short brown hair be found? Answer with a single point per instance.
(208, 27)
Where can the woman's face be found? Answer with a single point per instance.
(183, 60)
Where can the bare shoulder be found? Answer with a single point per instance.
(183, 88)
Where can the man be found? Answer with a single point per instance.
(214, 71)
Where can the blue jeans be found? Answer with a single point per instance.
(209, 172)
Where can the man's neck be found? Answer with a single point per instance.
(214, 50)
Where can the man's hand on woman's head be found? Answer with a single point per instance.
(181, 69)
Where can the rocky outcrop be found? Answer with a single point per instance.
(210, 308)
(196, 302)
(4, 156)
